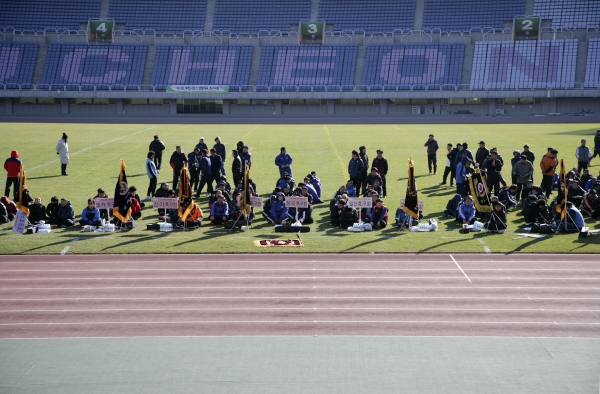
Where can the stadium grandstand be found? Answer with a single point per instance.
(412, 57)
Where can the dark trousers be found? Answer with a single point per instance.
(582, 165)
(205, 179)
(194, 178)
(357, 182)
(495, 185)
(14, 181)
(448, 171)
(236, 178)
(216, 177)
(546, 185)
(363, 182)
(63, 169)
(519, 189)
(175, 179)
(157, 160)
(384, 186)
(90, 223)
(152, 186)
(432, 160)
(461, 188)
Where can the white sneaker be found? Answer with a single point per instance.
(207, 195)
(149, 198)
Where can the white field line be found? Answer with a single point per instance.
(303, 287)
(88, 148)
(62, 252)
(487, 249)
(553, 323)
(207, 259)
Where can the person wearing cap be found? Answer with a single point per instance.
(219, 211)
(236, 167)
(206, 177)
(362, 155)
(432, 146)
(177, 162)
(523, 170)
(201, 145)
(157, 146)
(221, 151)
(575, 193)
(284, 162)
(583, 155)
(596, 144)
(381, 164)
(548, 165)
(90, 216)
(62, 149)
(481, 154)
(379, 215)
(104, 213)
(466, 211)
(152, 173)
(463, 169)
(372, 177)
(493, 168)
(355, 170)
(65, 216)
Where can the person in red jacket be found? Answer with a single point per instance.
(12, 165)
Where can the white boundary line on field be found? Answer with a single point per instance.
(461, 270)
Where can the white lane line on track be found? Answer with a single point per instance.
(298, 308)
(302, 287)
(486, 278)
(461, 270)
(293, 298)
(62, 252)
(298, 269)
(487, 249)
(207, 259)
(296, 322)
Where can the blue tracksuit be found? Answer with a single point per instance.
(466, 212)
(278, 209)
(282, 160)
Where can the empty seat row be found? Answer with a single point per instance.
(42, 14)
(17, 64)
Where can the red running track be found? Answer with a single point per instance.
(351, 294)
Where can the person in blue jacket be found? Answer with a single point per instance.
(311, 190)
(350, 189)
(152, 172)
(574, 222)
(65, 216)
(91, 215)
(452, 206)
(379, 215)
(463, 169)
(315, 181)
(219, 212)
(466, 211)
(279, 212)
(284, 162)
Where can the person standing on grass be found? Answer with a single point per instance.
(530, 155)
(216, 163)
(236, 167)
(62, 149)
(152, 172)
(284, 162)
(448, 169)
(12, 165)
(548, 165)
(221, 151)
(432, 147)
(493, 166)
(157, 147)
(177, 162)
(355, 170)
(523, 170)
(596, 144)
(381, 164)
(362, 155)
(583, 155)
(206, 177)
(201, 144)
(481, 154)
(194, 168)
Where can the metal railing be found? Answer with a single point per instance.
(538, 86)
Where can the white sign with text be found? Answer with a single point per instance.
(165, 203)
(360, 202)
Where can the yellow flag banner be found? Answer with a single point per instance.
(186, 203)
(561, 199)
(121, 209)
(23, 203)
(411, 201)
(245, 206)
(479, 190)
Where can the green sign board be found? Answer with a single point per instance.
(526, 28)
(101, 30)
(312, 32)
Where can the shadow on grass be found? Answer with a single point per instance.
(139, 238)
(591, 132)
(446, 243)
(382, 236)
(44, 177)
(67, 238)
(531, 241)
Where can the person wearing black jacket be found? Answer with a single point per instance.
(497, 222)
(355, 169)
(178, 161)
(451, 157)
(362, 155)
(236, 167)
(381, 164)
(481, 154)
(493, 166)
(596, 144)
(216, 163)
(221, 151)
(194, 167)
(157, 147)
(205, 174)
(52, 208)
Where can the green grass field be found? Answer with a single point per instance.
(97, 148)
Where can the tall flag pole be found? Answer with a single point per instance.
(561, 199)
(411, 202)
(479, 190)
(245, 206)
(121, 209)
(186, 203)
(23, 203)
